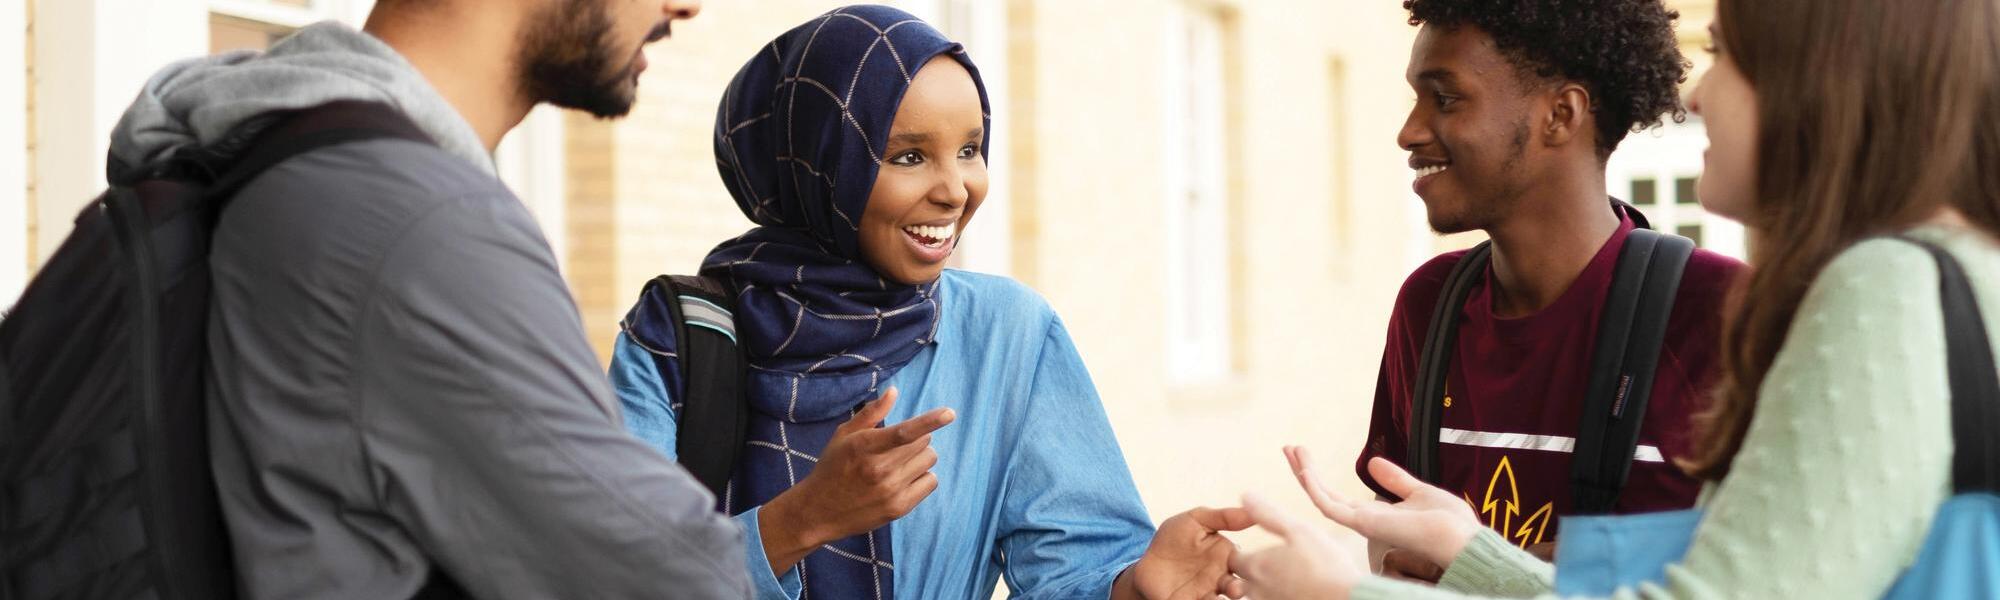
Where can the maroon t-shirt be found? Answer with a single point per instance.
(1516, 389)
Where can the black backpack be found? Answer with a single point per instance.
(105, 489)
(1629, 334)
(714, 414)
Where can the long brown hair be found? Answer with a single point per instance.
(1872, 116)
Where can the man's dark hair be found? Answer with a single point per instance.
(1623, 51)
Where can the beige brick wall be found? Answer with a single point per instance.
(645, 196)
(1316, 259)
(590, 214)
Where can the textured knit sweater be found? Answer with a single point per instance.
(1847, 457)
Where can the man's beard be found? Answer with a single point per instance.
(567, 60)
(1494, 206)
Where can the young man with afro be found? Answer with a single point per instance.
(1519, 104)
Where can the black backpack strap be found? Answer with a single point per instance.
(298, 132)
(1630, 332)
(1434, 361)
(1975, 388)
(1652, 279)
(714, 412)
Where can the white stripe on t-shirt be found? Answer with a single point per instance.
(1522, 441)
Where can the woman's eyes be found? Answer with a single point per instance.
(913, 158)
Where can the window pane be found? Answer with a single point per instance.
(1643, 193)
(1197, 201)
(1684, 191)
(226, 33)
(1692, 232)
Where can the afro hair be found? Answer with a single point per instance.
(1623, 51)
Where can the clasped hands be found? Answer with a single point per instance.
(1429, 525)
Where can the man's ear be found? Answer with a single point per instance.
(1569, 117)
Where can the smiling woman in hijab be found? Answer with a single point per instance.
(856, 143)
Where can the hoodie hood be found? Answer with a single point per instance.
(198, 102)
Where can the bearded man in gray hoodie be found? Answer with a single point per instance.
(401, 390)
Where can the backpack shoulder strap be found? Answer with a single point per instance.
(177, 224)
(1630, 332)
(1434, 361)
(1975, 388)
(297, 132)
(714, 413)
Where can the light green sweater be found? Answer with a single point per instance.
(1846, 459)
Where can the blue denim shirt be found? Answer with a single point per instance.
(1031, 484)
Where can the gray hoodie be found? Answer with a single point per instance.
(401, 384)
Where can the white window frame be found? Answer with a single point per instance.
(289, 17)
(1195, 207)
(91, 58)
(532, 160)
(351, 12)
(1664, 155)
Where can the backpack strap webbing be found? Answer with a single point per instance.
(305, 130)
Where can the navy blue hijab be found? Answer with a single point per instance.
(798, 139)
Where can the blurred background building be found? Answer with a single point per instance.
(1208, 191)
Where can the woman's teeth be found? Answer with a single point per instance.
(1431, 170)
(932, 235)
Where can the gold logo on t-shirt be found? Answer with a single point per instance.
(1503, 505)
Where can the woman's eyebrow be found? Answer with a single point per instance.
(918, 138)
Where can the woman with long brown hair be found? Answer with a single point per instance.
(1835, 126)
